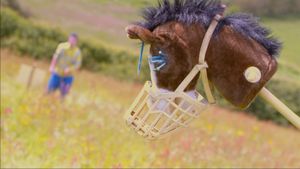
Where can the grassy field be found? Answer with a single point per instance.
(87, 130)
(287, 31)
(289, 60)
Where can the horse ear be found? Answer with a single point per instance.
(139, 32)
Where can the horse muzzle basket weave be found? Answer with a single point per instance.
(154, 114)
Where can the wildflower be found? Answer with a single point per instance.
(8, 110)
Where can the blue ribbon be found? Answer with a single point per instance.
(159, 61)
(141, 58)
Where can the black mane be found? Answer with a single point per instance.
(202, 11)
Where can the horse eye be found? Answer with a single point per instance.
(161, 53)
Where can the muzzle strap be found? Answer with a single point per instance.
(190, 77)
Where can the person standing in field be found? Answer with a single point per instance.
(65, 62)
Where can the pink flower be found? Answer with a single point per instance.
(74, 161)
(166, 153)
(186, 143)
(8, 110)
(118, 166)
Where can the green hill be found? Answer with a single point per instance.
(118, 58)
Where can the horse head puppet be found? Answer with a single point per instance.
(189, 38)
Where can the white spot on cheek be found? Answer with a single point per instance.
(252, 74)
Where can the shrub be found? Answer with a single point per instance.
(9, 22)
(289, 93)
(15, 5)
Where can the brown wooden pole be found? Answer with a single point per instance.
(29, 82)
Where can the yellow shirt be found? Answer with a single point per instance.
(67, 57)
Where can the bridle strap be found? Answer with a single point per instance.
(207, 38)
(202, 54)
(202, 65)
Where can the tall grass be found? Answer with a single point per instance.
(88, 131)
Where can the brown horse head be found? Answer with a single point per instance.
(177, 30)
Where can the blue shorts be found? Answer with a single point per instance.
(58, 82)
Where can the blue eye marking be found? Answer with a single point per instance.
(158, 61)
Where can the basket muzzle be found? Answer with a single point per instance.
(155, 114)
